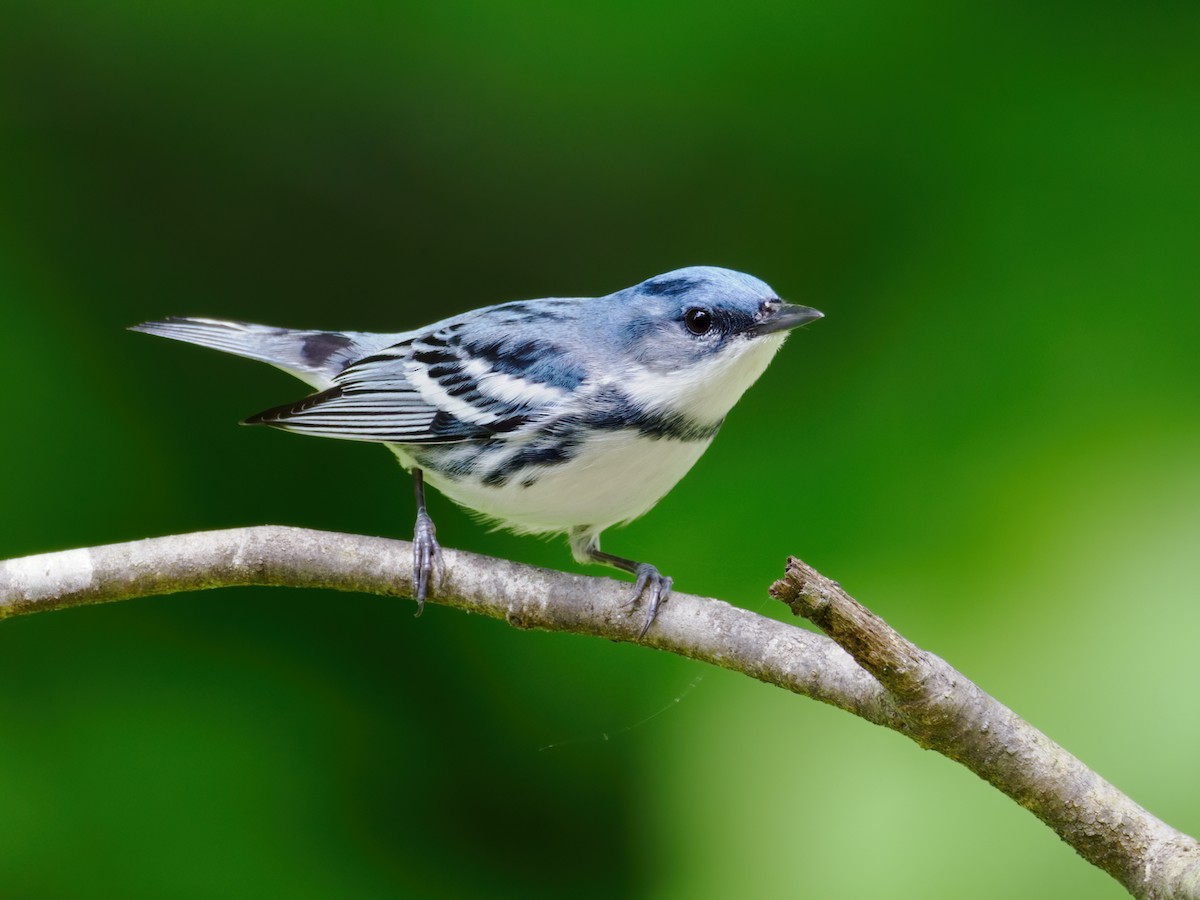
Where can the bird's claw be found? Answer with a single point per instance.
(658, 588)
(427, 557)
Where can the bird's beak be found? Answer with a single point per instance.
(783, 317)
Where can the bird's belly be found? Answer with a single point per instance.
(612, 477)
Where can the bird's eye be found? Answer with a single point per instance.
(698, 321)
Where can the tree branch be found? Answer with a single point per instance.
(864, 666)
(944, 711)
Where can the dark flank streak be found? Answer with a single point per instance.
(536, 454)
(614, 411)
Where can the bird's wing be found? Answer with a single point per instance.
(445, 386)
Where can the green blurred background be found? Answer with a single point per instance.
(992, 439)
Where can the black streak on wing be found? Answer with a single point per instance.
(433, 357)
(531, 359)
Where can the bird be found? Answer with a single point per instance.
(558, 415)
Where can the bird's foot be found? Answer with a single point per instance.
(428, 566)
(657, 588)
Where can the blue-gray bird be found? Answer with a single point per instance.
(554, 415)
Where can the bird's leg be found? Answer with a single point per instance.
(427, 555)
(585, 546)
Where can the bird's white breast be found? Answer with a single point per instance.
(615, 476)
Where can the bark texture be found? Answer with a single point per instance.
(863, 666)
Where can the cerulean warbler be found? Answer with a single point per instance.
(554, 415)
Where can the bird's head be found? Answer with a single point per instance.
(690, 315)
(708, 330)
(693, 315)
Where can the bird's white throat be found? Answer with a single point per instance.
(708, 389)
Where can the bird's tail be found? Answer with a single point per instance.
(312, 356)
